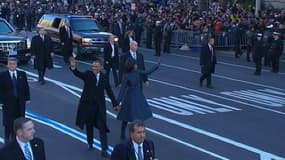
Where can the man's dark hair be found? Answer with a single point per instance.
(12, 58)
(97, 61)
(19, 122)
(135, 123)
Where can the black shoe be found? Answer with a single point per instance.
(104, 154)
(210, 86)
(90, 147)
(201, 84)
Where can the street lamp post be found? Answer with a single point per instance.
(257, 6)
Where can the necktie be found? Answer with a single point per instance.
(14, 80)
(97, 78)
(134, 56)
(140, 157)
(27, 153)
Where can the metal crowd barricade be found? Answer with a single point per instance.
(226, 40)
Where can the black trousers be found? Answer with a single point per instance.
(9, 133)
(157, 47)
(114, 71)
(275, 63)
(41, 74)
(258, 66)
(207, 76)
(102, 134)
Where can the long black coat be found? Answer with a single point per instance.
(12, 150)
(108, 56)
(126, 151)
(42, 52)
(66, 39)
(207, 60)
(259, 50)
(92, 105)
(140, 63)
(12, 109)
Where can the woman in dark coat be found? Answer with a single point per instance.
(133, 102)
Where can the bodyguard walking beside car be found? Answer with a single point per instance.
(42, 51)
(66, 39)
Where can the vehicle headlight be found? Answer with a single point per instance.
(86, 41)
(28, 41)
(116, 39)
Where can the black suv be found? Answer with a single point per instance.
(13, 43)
(88, 39)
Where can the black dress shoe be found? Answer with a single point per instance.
(105, 154)
(90, 147)
(210, 86)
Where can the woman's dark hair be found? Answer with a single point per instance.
(130, 64)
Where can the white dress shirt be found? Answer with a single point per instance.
(136, 146)
(22, 146)
(13, 72)
(113, 50)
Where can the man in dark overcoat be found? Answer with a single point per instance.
(208, 62)
(42, 51)
(66, 39)
(14, 94)
(111, 59)
(275, 51)
(92, 106)
(136, 56)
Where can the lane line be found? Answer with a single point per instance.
(189, 127)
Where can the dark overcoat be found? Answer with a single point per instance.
(108, 56)
(42, 52)
(12, 150)
(92, 105)
(126, 151)
(207, 60)
(13, 108)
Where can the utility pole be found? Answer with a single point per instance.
(257, 6)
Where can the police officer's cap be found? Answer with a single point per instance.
(259, 34)
(276, 33)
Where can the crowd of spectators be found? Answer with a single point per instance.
(217, 19)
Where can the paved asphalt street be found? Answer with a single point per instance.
(242, 118)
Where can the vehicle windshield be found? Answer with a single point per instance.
(5, 28)
(84, 25)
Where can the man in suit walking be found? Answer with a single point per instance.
(66, 39)
(92, 106)
(25, 146)
(42, 51)
(137, 148)
(111, 59)
(136, 56)
(14, 94)
(208, 62)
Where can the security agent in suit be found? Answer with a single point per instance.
(136, 56)
(14, 94)
(207, 62)
(137, 148)
(42, 51)
(25, 146)
(66, 39)
(111, 59)
(92, 106)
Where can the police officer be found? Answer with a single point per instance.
(275, 51)
(258, 53)
(158, 37)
